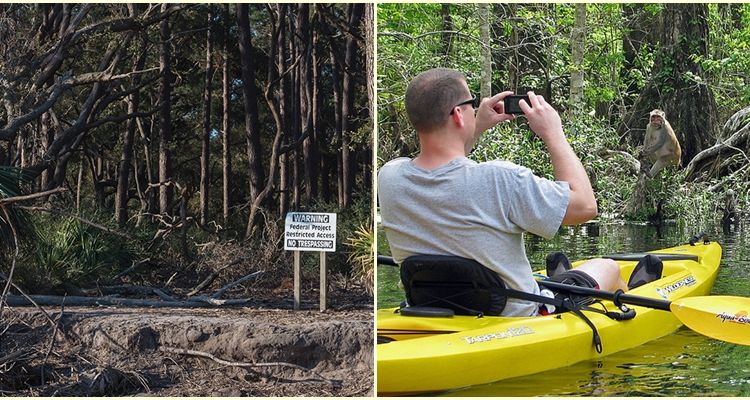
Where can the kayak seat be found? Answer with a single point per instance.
(648, 269)
(456, 283)
(557, 263)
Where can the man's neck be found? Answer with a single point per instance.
(438, 149)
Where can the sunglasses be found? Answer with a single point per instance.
(473, 101)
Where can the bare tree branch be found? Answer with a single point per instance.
(245, 364)
(46, 193)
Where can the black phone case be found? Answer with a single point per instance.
(510, 103)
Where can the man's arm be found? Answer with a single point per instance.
(545, 122)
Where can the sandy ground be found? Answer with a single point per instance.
(264, 350)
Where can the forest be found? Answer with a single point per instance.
(149, 154)
(161, 145)
(604, 67)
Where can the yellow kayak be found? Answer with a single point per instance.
(418, 354)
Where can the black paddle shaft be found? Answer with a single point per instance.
(386, 260)
(613, 296)
(599, 294)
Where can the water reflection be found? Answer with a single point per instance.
(681, 364)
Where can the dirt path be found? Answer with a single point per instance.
(116, 351)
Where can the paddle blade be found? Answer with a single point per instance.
(725, 318)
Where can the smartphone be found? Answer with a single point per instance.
(510, 103)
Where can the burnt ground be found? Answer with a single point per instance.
(262, 350)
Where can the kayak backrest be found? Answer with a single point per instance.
(460, 284)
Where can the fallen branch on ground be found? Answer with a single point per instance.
(228, 286)
(14, 300)
(213, 276)
(248, 365)
(218, 302)
(135, 265)
(124, 290)
(28, 299)
(736, 139)
(52, 339)
(163, 295)
(634, 166)
(16, 355)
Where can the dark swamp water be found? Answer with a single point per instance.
(681, 364)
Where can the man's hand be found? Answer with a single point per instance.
(543, 119)
(491, 112)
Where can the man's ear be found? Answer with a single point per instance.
(458, 117)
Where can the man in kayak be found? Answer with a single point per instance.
(442, 203)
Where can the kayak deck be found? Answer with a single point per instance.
(435, 354)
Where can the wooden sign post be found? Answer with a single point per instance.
(323, 281)
(310, 232)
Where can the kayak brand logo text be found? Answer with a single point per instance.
(510, 332)
(665, 291)
(740, 318)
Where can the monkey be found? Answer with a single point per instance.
(730, 208)
(660, 144)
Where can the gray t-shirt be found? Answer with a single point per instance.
(472, 210)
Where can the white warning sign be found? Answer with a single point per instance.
(310, 231)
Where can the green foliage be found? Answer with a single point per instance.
(70, 252)
(545, 32)
(14, 223)
(409, 42)
(360, 248)
(728, 65)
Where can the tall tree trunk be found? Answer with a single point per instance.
(485, 48)
(297, 48)
(325, 177)
(48, 135)
(79, 185)
(337, 118)
(126, 159)
(151, 175)
(226, 140)
(310, 145)
(284, 97)
(509, 59)
(206, 142)
(689, 104)
(165, 120)
(306, 97)
(369, 36)
(638, 25)
(277, 17)
(95, 165)
(447, 35)
(21, 149)
(250, 95)
(355, 12)
(577, 49)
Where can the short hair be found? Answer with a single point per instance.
(430, 96)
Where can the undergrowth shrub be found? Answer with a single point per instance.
(71, 252)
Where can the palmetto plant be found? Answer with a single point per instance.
(69, 251)
(361, 255)
(13, 222)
